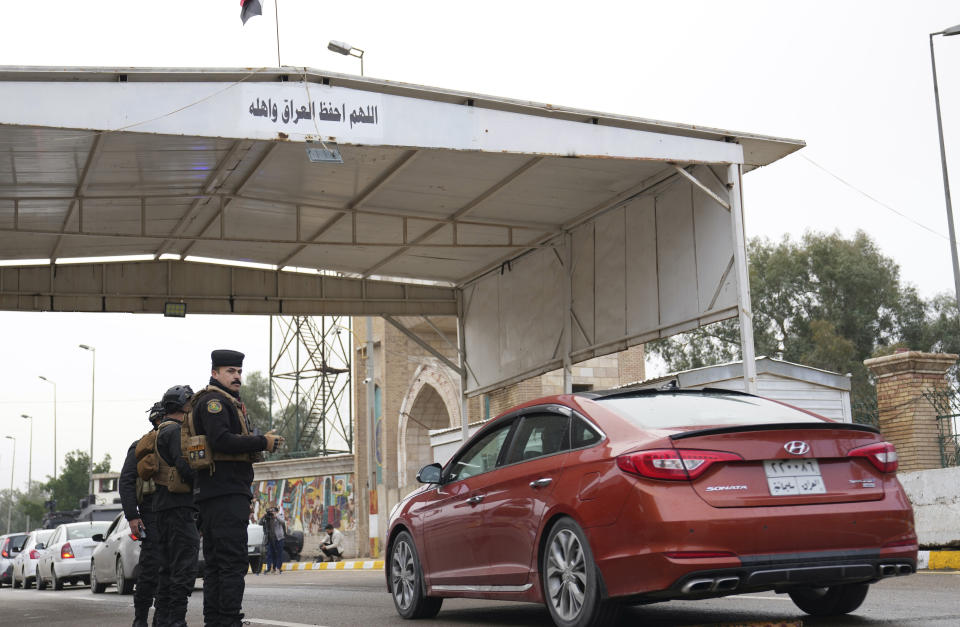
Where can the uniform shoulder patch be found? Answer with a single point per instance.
(214, 406)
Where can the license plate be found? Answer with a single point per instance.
(786, 477)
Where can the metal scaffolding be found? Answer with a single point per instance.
(310, 400)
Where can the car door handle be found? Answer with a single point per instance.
(541, 483)
(476, 498)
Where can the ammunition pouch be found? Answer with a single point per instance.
(196, 447)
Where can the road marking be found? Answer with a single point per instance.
(279, 623)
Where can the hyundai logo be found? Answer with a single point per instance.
(796, 447)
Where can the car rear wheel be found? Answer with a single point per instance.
(57, 582)
(124, 585)
(406, 578)
(14, 582)
(41, 583)
(830, 601)
(95, 586)
(571, 582)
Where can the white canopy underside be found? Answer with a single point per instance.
(435, 186)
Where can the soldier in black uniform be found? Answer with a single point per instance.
(223, 492)
(136, 497)
(176, 514)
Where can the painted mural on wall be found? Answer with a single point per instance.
(309, 503)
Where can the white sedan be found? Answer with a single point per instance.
(66, 557)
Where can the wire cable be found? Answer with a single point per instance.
(879, 202)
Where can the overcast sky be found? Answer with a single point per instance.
(852, 79)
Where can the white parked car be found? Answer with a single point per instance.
(10, 546)
(66, 556)
(116, 558)
(25, 564)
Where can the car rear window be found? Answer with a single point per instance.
(679, 409)
(86, 531)
(43, 536)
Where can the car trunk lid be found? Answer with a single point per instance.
(785, 464)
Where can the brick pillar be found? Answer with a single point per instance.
(906, 418)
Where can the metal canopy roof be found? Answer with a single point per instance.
(435, 185)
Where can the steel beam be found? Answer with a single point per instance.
(470, 206)
(78, 193)
(207, 187)
(743, 280)
(422, 344)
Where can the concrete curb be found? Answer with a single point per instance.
(938, 560)
(344, 565)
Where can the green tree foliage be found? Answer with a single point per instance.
(256, 396)
(73, 481)
(827, 302)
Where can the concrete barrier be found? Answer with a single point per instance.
(935, 495)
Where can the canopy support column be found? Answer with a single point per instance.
(567, 343)
(462, 343)
(743, 279)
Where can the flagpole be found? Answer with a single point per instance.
(276, 21)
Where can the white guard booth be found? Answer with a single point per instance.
(554, 234)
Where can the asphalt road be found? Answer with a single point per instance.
(335, 598)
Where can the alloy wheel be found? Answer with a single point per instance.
(404, 574)
(566, 575)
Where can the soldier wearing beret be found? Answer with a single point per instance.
(222, 493)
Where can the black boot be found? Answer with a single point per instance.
(139, 621)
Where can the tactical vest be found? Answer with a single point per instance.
(144, 488)
(167, 475)
(196, 448)
(146, 452)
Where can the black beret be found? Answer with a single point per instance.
(225, 357)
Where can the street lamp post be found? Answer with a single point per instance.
(54, 384)
(13, 463)
(953, 30)
(30, 463)
(93, 388)
(341, 47)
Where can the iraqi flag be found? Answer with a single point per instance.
(249, 8)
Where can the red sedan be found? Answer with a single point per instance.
(590, 501)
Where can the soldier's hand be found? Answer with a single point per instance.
(274, 441)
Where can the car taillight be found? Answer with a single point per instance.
(883, 455)
(66, 552)
(672, 464)
(4, 552)
(133, 536)
(34, 555)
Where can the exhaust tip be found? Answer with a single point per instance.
(726, 584)
(904, 569)
(697, 585)
(888, 570)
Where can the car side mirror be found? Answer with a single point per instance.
(40, 546)
(430, 474)
(97, 537)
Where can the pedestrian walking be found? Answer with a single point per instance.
(274, 532)
(176, 514)
(136, 498)
(223, 492)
